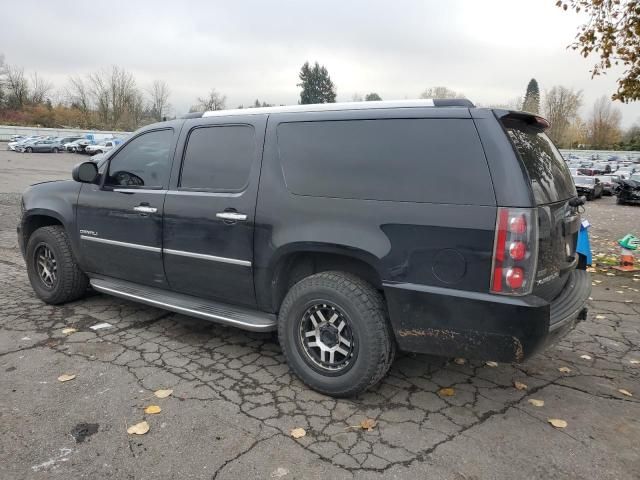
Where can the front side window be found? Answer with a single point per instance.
(218, 158)
(145, 162)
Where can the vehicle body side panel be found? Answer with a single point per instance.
(433, 244)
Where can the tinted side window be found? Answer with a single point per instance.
(218, 158)
(145, 162)
(417, 160)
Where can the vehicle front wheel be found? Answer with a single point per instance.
(55, 150)
(28, 150)
(53, 272)
(334, 333)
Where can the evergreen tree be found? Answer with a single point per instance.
(316, 84)
(532, 97)
(370, 97)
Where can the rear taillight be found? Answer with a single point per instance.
(515, 251)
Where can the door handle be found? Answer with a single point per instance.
(145, 209)
(233, 216)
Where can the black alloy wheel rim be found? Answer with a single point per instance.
(46, 265)
(327, 338)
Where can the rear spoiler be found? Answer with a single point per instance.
(529, 118)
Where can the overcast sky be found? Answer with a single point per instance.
(254, 49)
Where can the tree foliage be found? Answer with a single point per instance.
(612, 32)
(561, 106)
(159, 99)
(316, 84)
(213, 101)
(440, 93)
(372, 97)
(531, 101)
(603, 125)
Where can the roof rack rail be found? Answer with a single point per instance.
(453, 102)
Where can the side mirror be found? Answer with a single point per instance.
(85, 172)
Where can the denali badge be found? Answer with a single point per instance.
(89, 232)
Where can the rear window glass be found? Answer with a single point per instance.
(417, 160)
(550, 176)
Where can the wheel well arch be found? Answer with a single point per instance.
(294, 266)
(34, 222)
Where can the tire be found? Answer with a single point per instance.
(590, 197)
(28, 150)
(619, 201)
(55, 150)
(371, 347)
(69, 283)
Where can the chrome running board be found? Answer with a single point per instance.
(240, 317)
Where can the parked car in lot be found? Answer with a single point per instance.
(80, 146)
(17, 143)
(102, 147)
(590, 187)
(40, 146)
(625, 172)
(336, 225)
(609, 183)
(629, 191)
(70, 146)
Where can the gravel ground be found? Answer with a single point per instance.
(234, 400)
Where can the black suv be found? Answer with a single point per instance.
(351, 229)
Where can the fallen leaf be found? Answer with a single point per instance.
(298, 432)
(163, 393)
(138, 429)
(586, 357)
(152, 409)
(100, 326)
(279, 472)
(619, 291)
(565, 369)
(611, 274)
(625, 392)
(446, 392)
(491, 364)
(65, 377)
(634, 362)
(600, 317)
(558, 423)
(536, 403)
(68, 330)
(520, 385)
(368, 424)
(460, 361)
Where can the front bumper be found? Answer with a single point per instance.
(456, 323)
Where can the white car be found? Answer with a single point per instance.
(101, 148)
(625, 172)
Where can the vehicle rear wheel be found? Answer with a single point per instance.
(334, 333)
(55, 150)
(28, 150)
(52, 269)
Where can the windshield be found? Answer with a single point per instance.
(549, 174)
(584, 180)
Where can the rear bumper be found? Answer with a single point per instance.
(456, 323)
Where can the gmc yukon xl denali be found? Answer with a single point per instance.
(353, 230)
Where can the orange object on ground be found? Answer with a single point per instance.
(626, 261)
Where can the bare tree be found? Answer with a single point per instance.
(79, 96)
(214, 101)
(561, 106)
(604, 124)
(159, 96)
(40, 89)
(3, 80)
(113, 93)
(440, 92)
(17, 88)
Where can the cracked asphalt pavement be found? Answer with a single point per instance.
(235, 401)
